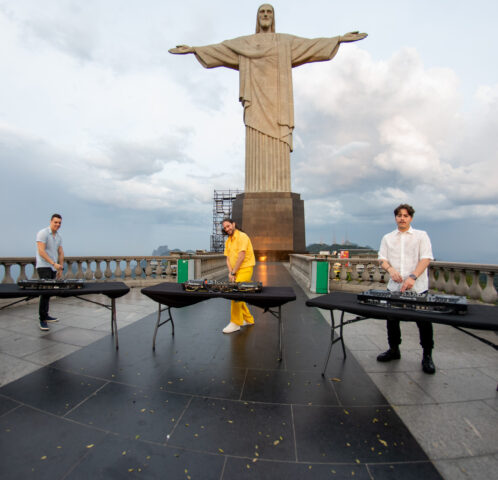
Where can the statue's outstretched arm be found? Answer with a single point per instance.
(351, 37)
(182, 50)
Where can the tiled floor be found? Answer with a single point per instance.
(203, 405)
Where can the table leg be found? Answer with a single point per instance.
(332, 328)
(278, 314)
(333, 339)
(280, 328)
(341, 327)
(159, 323)
(114, 325)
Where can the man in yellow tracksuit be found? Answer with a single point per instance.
(240, 262)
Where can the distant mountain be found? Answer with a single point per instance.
(161, 251)
(164, 251)
(320, 247)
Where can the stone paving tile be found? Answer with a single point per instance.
(12, 368)
(483, 467)
(76, 336)
(19, 345)
(51, 354)
(453, 430)
(400, 389)
(464, 384)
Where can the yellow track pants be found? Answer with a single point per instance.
(239, 311)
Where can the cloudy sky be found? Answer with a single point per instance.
(100, 123)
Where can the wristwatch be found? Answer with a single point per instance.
(233, 273)
(412, 275)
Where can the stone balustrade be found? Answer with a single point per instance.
(472, 280)
(475, 281)
(135, 271)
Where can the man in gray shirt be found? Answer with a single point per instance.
(49, 262)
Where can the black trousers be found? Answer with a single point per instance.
(44, 272)
(425, 331)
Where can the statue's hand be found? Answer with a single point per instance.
(353, 37)
(181, 49)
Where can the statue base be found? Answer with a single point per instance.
(274, 222)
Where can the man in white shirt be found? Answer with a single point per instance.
(49, 262)
(405, 254)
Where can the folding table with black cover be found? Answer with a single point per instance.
(112, 290)
(173, 295)
(478, 317)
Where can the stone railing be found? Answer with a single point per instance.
(135, 271)
(472, 280)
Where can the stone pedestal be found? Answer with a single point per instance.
(274, 222)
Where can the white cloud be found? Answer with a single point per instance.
(395, 131)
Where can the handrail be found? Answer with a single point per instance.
(135, 270)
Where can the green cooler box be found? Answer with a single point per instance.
(320, 276)
(184, 270)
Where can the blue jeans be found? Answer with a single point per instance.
(44, 272)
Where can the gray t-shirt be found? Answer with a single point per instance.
(52, 244)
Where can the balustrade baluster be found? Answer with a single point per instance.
(462, 288)
(7, 278)
(98, 272)
(489, 294)
(169, 270)
(138, 269)
(33, 264)
(365, 275)
(354, 273)
(128, 269)
(343, 274)
(148, 269)
(79, 273)
(451, 283)
(117, 272)
(377, 277)
(432, 278)
(22, 273)
(108, 271)
(70, 264)
(475, 290)
(88, 271)
(440, 281)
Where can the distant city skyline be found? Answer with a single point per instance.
(100, 123)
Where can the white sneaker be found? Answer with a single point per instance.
(247, 323)
(231, 327)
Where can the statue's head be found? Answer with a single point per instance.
(265, 20)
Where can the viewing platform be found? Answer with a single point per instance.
(213, 406)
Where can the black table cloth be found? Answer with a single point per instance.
(111, 290)
(479, 317)
(174, 295)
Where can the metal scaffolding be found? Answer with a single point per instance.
(222, 208)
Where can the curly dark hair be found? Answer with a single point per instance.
(405, 206)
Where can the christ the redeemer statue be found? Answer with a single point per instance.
(265, 61)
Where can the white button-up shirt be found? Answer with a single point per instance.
(403, 250)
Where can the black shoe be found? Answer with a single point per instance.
(391, 354)
(44, 326)
(51, 319)
(428, 364)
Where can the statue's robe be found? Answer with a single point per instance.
(264, 62)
